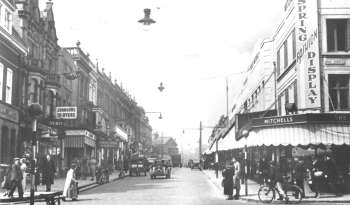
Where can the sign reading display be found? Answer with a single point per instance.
(308, 53)
(66, 112)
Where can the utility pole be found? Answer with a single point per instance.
(200, 140)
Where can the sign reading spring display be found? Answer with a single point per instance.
(66, 112)
(308, 53)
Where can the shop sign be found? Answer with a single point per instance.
(335, 61)
(308, 53)
(8, 113)
(80, 133)
(66, 112)
(302, 119)
(56, 123)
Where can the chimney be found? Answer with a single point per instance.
(49, 4)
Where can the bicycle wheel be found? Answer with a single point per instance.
(266, 194)
(294, 194)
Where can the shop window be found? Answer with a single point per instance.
(338, 35)
(339, 92)
(5, 145)
(13, 143)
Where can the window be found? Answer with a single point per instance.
(339, 92)
(9, 77)
(338, 35)
(8, 20)
(286, 53)
(1, 79)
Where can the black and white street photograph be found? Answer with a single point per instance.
(174, 102)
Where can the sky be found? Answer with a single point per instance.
(192, 48)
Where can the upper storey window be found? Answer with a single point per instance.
(338, 35)
(286, 53)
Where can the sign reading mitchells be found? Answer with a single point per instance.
(66, 112)
(308, 53)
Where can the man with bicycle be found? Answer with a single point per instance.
(276, 179)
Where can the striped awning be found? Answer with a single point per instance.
(303, 134)
(78, 141)
(74, 141)
(108, 144)
(230, 142)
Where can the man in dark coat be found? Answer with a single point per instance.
(330, 174)
(16, 179)
(48, 170)
(299, 174)
(227, 181)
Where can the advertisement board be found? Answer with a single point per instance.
(66, 112)
(307, 53)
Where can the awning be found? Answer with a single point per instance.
(302, 134)
(230, 142)
(108, 144)
(79, 138)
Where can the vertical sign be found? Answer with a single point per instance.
(308, 53)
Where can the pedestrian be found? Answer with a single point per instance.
(70, 189)
(299, 174)
(48, 171)
(16, 179)
(276, 178)
(264, 170)
(24, 173)
(92, 166)
(317, 175)
(236, 177)
(227, 181)
(6, 184)
(331, 174)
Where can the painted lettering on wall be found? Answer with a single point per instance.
(308, 52)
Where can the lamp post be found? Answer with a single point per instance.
(34, 111)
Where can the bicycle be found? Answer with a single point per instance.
(267, 193)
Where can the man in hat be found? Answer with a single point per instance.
(16, 178)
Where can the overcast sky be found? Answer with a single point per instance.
(191, 48)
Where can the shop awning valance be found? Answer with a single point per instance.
(230, 142)
(108, 144)
(302, 134)
(78, 141)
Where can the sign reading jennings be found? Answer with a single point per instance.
(66, 112)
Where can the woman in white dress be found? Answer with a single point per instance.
(70, 190)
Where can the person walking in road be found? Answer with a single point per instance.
(70, 189)
(227, 181)
(48, 171)
(24, 172)
(16, 179)
(236, 177)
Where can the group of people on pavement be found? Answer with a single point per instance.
(232, 179)
(16, 177)
(322, 172)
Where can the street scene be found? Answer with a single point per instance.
(174, 102)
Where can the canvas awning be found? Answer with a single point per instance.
(300, 134)
(79, 138)
(230, 142)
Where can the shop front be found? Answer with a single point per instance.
(79, 147)
(304, 136)
(107, 152)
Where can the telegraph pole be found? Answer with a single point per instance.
(200, 140)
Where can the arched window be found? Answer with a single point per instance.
(5, 145)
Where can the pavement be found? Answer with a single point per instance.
(83, 184)
(253, 188)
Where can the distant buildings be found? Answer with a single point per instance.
(101, 121)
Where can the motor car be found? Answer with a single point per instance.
(196, 165)
(161, 168)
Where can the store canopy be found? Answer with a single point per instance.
(230, 142)
(300, 134)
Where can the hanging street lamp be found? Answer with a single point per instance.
(147, 19)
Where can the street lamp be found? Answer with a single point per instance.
(147, 21)
(160, 114)
(34, 111)
(161, 87)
